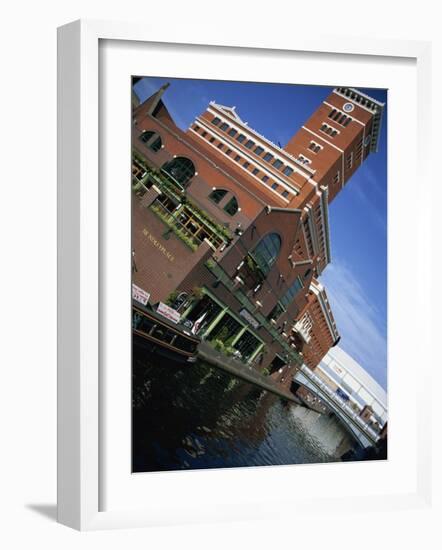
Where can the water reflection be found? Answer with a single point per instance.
(195, 416)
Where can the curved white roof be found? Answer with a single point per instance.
(359, 373)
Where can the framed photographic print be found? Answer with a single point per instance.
(231, 274)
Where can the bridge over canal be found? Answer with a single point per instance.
(355, 425)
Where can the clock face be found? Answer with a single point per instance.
(348, 107)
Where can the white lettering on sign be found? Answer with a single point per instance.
(168, 312)
(140, 295)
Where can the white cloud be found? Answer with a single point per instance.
(369, 191)
(361, 325)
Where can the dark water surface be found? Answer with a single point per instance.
(196, 416)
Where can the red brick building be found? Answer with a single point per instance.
(315, 330)
(232, 230)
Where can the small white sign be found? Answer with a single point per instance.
(168, 312)
(249, 318)
(140, 295)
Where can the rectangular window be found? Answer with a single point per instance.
(339, 117)
(304, 160)
(224, 126)
(241, 138)
(285, 194)
(229, 152)
(196, 127)
(315, 147)
(277, 163)
(212, 139)
(350, 161)
(265, 178)
(255, 171)
(259, 150)
(288, 171)
(291, 292)
(220, 145)
(250, 143)
(275, 186)
(329, 130)
(216, 121)
(232, 132)
(268, 157)
(246, 164)
(204, 134)
(337, 177)
(237, 158)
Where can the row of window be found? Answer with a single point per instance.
(340, 117)
(248, 166)
(329, 130)
(182, 170)
(250, 144)
(315, 147)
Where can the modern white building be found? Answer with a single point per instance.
(354, 385)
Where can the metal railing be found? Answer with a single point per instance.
(340, 402)
(175, 225)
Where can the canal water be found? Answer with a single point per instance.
(196, 416)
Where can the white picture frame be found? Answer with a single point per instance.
(80, 295)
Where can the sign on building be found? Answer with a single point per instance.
(140, 295)
(168, 312)
(249, 318)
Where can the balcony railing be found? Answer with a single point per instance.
(176, 226)
(252, 308)
(218, 234)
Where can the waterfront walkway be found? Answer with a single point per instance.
(219, 360)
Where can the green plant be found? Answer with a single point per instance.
(210, 264)
(170, 189)
(250, 263)
(265, 371)
(223, 334)
(197, 292)
(172, 297)
(170, 221)
(219, 345)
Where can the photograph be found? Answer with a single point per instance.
(259, 273)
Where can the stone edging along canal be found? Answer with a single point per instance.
(209, 355)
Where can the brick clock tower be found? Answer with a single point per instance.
(338, 137)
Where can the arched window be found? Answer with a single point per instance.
(181, 169)
(266, 251)
(217, 195)
(231, 207)
(151, 140)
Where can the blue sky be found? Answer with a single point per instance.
(356, 280)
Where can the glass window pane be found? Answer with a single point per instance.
(217, 195)
(231, 207)
(266, 251)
